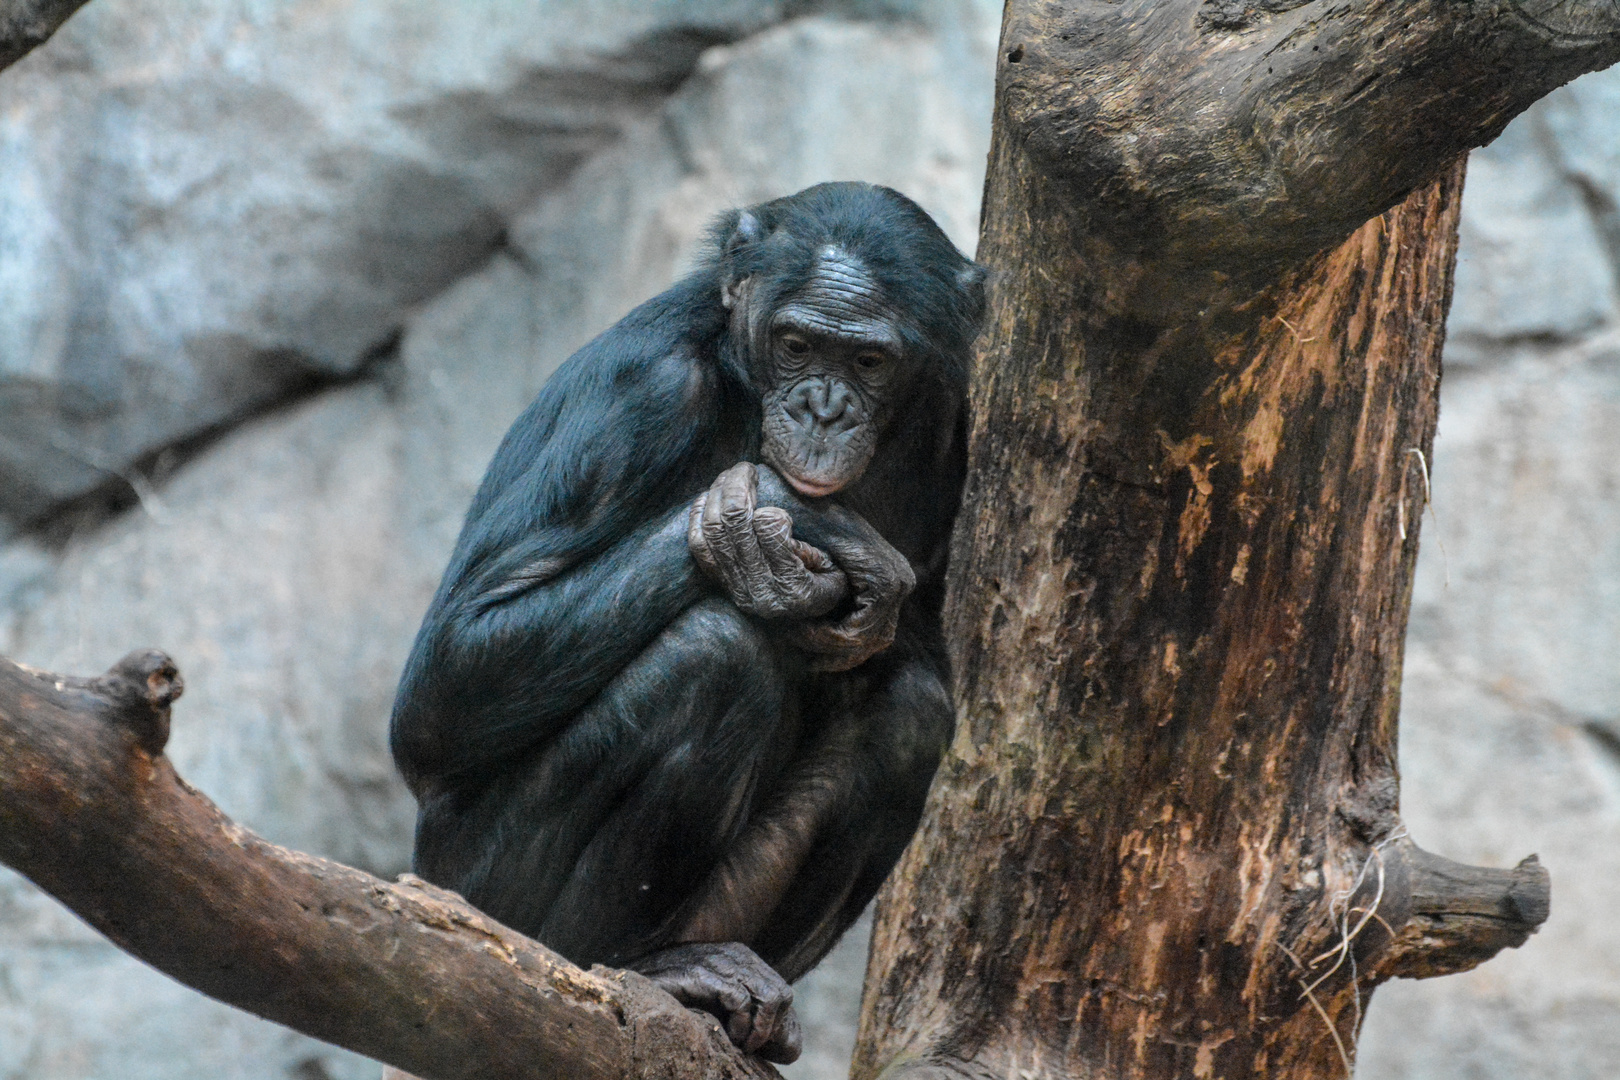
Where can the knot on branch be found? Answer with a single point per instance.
(138, 691)
(1573, 20)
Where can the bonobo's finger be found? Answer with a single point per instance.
(696, 542)
(728, 526)
(730, 981)
(830, 649)
(809, 583)
(814, 559)
(787, 1043)
(720, 543)
(702, 532)
(768, 1012)
(851, 641)
(878, 571)
(736, 488)
(881, 578)
(774, 527)
(769, 993)
(713, 522)
(773, 532)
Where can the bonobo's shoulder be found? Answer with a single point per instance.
(688, 317)
(643, 387)
(659, 348)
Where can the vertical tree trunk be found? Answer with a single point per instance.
(1166, 840)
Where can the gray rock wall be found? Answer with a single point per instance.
(206, 208)
(311, 180)
(278, 274)
(1510, 726)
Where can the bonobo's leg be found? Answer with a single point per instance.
(594, 843)
(893, 720)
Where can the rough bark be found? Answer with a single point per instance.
(1166, 840)
(93, 813)
(26, 24)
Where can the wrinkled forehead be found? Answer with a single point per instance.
(841, 298)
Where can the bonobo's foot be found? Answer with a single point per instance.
(749, 998)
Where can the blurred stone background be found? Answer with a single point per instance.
(276, 274)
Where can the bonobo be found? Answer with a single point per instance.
(679, 697)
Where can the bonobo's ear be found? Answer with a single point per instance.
(746, 231)
(970, 279)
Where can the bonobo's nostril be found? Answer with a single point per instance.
(818, 400)
(829, 401)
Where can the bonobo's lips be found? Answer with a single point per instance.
(814, 488)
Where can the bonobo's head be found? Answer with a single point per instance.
(843, 299)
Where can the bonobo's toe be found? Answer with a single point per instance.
(727, 979)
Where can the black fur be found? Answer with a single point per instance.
(588, 723)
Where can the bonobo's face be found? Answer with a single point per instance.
(837, 364)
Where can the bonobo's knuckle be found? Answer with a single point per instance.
(908, 576)
(899, 582)
(773, 519)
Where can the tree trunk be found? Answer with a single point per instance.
(1166, 840)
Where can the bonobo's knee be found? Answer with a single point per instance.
(716, 641)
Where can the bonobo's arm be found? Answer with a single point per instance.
(770, 549)
(509, 656)
(506, 657)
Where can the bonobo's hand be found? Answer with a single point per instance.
(729, 980)
(751, 552)
(879, 576)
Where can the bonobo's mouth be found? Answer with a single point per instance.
(814, 488)
(815, 465)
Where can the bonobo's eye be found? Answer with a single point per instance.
(871, 361)
(795, 345)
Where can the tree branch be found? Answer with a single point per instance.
(1456, 916)
(26, 24)
(93, 813)
(1175, 132)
